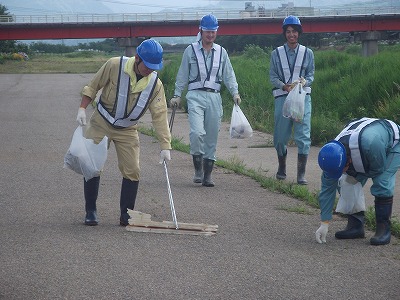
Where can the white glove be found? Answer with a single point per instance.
(176, 100)
(236, 99)
(302, 81)
(165, 155)
(81, 117)
(321, 233)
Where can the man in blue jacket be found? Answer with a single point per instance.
(290, 64)
(365, 148)
(205, 66)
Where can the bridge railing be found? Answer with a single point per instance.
(180, 16)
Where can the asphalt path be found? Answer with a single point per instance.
(261, 250)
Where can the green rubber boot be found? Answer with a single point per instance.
(383, 212)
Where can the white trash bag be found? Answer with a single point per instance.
(240, 127)
(293, 107)
(352, 198)
(84, 156)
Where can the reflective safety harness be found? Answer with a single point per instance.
(353, 132)
(289, 73)
(206, 78)
(121, 118)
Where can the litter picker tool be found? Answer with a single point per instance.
(171, 199)
(141, 222)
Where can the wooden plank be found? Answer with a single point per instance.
(140, 220)
(167, 230)
(171, 225)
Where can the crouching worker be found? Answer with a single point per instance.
(130, 87)
(366, 148)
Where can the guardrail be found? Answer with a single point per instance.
(181, 16)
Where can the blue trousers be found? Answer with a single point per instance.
(283, 128)
(205, 114)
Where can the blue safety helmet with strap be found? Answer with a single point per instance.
(151, 52)
(332, 159)
(293, 21)
(209, 23)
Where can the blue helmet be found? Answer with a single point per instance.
(209, 23)
(151, 52)
(291, 20)
(332, 159)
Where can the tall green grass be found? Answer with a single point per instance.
(346, 86)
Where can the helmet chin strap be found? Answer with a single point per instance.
(198, 37)
(136, 69)
(135, 66)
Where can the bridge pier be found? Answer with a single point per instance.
(130, 45)
(369, 41)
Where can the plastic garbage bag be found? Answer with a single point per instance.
(352, 198)
(84, 156)
(293, 107)
(240, 127)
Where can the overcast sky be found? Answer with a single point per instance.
(32, 7)
(157, 5)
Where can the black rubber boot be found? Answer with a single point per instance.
(208, 165)
(129, 190)
(198, 168)
(383, 212)
(91, 191)
(354, 228)
(301, 169)
(281, 174)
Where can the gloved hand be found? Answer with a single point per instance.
(165, 155)
(321, 233)
(176, 100)
(302, 81)
(236, 99)
(293, 84)
(81, 117)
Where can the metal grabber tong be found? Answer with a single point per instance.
(171, 200)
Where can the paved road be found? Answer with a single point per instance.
(257, 153)
(261, 251)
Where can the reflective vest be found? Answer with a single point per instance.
(206, 78)
(353, 132)
(122, 118)
(288, 73)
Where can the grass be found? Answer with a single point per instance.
(299, 209)
(296, 191)
(51, 63)
(346, 84)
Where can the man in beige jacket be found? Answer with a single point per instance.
(130, 87)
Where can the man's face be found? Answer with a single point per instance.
(292, 35)
(208, 36)
(142, 69)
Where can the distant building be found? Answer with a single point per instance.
(250, 11)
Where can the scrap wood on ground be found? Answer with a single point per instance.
(141, 222)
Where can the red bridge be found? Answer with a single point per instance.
(173, 28)
(169, 25)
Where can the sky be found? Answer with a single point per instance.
(41, 7)
(187, 4)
